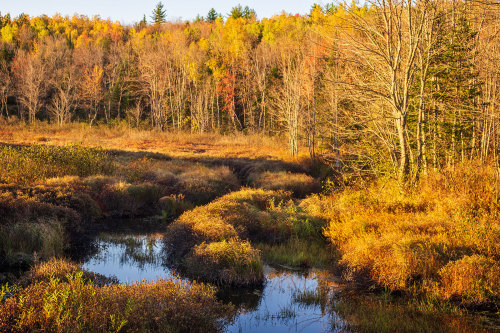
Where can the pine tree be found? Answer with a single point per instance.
(236, 12)
(159, 14)
(249, 13)
(212, 15)
(454, 88)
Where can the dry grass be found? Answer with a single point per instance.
(35, 162)
(235, 262)
(211, 240)
(176, 145)
(298, 183)
(441, 241)
(76, 305)
(198, 183)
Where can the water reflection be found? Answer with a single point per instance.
(289, 302)
(130, 258)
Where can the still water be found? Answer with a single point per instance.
(289, 301)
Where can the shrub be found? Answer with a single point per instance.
(433, 241)
(473, 279)
(54, 268)
(233, 262)
(76, 305)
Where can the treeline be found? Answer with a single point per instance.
(400, 85)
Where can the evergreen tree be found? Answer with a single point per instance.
(212, 15)
(239, 11)
(236, 12)
(159, 14)
(249, 13)
(454, 87)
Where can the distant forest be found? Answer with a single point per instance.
(397, 84)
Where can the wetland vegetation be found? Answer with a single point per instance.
(335, 171)
(133, 230)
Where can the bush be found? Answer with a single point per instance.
(77, 305)
(433, 241)
(473, 279)
(228, 262)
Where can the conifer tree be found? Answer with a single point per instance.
(212, 15)
(159, 14)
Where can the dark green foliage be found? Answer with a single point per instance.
(240, 12)
(212, 15)
(159, 14)
(453, 88)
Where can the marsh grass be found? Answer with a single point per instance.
(232, 262)
(442, 240)
(47, 238)
(76, 305)
(211, 241)
(299, 184)
(297, 253)
(197, 183)
(27, 164)
(320, 296)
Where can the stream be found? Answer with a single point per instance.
(278, 306)
(289, 301)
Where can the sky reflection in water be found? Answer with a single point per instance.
(271, 308)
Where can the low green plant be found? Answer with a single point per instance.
(39, 162)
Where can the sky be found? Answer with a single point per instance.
(131, 11)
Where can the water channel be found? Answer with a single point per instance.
(278, 306)
(289, 301)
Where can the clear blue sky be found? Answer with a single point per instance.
(129, 11)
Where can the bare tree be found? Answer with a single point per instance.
(289, 95)
(31, 81)
(62, 78)
(5, 86)
(385, 45)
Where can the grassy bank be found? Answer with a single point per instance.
(71, 303)
(441, 240)
(51, 194)
(211, 242)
